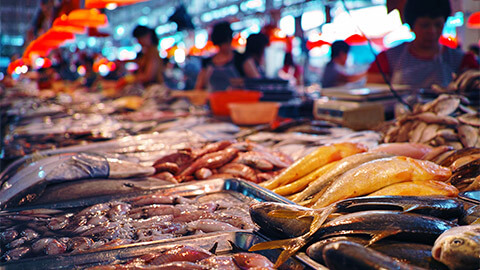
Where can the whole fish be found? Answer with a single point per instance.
(377, 224)
(435, 206)
(376, 174)
(321, 156)
(69, 167)
(342, 166)
(412, 253)
(459, 247)
(211, 161)
(349, 255)
(288, 224)
(418, 188)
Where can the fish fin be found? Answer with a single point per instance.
(477, 221)
(213, 249)
(413, 207)
(235, 248)
(291, 214)
(292, 245)
(377, 237)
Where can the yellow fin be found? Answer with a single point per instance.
(291, 214)
(379, 236)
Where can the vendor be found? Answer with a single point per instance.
(222, 70)
(424, 61)
(150, 65)
(252, 66)
(335, 72)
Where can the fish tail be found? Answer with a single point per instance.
(290, 246)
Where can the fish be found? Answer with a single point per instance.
(181, 253)
(435, 206)
(67, 167)
(239, 170)
(321, 156)
(413, 150)
(282, 220)
(278, 226)
(418, 188)
(343, 166)
(377, 224)
(211, 161)
(450, 159)
(459, 247)
(412, 253)
(469, 170)
(464, 160)
(376, 174)
(349, 255)
(471, 215)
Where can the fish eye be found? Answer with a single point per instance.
(457, 242)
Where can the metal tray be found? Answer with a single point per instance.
(237, 190)
(187, 189)
(243, 240)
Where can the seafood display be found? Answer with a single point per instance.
(188, 257)
(298, 143)
(445, 121)
(370, 231)
(224, 159)
(152, 217)
(335, 172)
(29, 181)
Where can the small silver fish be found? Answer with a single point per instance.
(459, 247)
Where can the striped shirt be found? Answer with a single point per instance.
(405, 68)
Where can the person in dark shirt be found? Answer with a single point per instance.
(252, 65)
(334, 73)
(220, 71)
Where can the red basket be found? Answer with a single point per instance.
(219, 100)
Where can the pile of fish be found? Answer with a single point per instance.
(191, 257)
(224, 159)
(26, 182)
(152, 217)
(297, 142)
(393, 232)
(344, 170)
(444, 121)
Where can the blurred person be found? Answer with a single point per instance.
(150, 65)
(253, 62)
(222, 70)
(424, 61)
(291, 71)
(335, 72)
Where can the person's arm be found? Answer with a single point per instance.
(250, 69)
(374, 74)
(201, 82)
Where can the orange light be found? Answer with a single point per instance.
(13, 65)
(61, 24)
(356, 39)
(87, 18)
(111, 66)
(449, 41)
(97, 64)
(474, 20)
(106, 3)
(318, 43)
